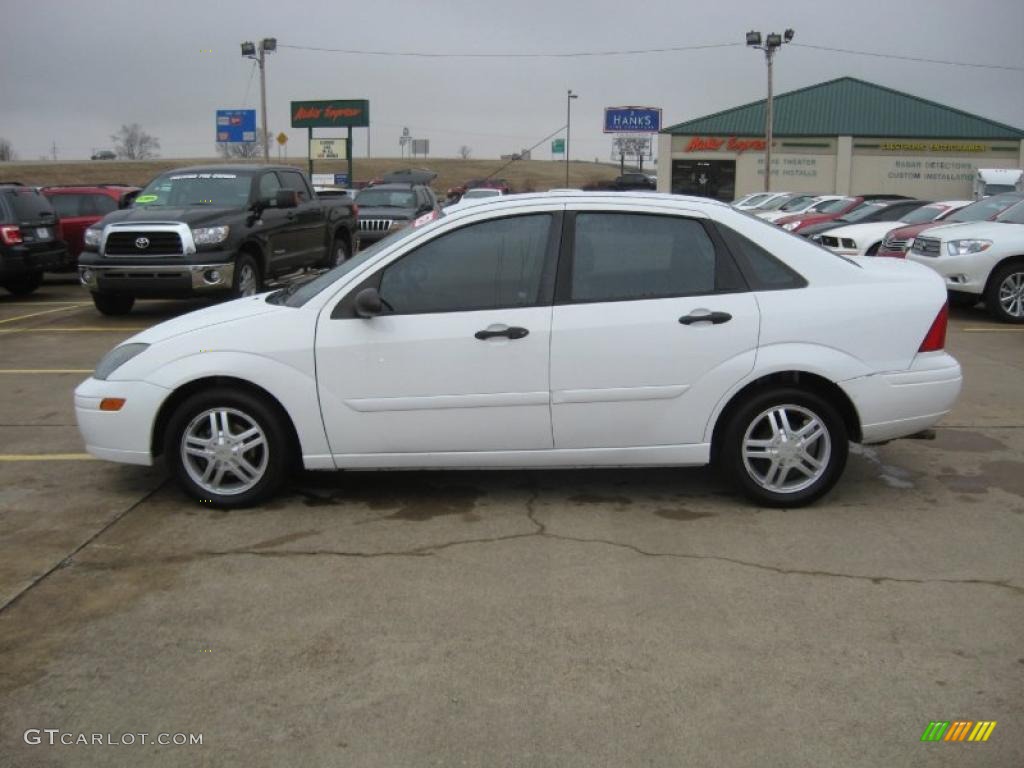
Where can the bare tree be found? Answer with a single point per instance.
(6, 151)
(465, 152)
(248, 150)
(133, 143)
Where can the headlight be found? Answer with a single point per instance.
(966, 247)
(848, 243)
(398, 224)
(92, 237)
(115, 358)
(909, 245)
(791, 226)
(210, 235)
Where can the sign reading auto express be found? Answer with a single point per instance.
(732, 144)
(337, 113)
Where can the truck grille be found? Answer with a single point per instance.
(156, 244)
(894, 244)
(375, 225)
(927, 246)
(828, 241)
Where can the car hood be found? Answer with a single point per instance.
(384, 212)
(858, 232)
(806, 219)
(231, 311)
(193, 215)
(971, 230)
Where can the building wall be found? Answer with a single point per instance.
(926, 168)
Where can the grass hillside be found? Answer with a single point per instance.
(523, 175)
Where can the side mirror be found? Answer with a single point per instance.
(368, 303)
(128, 199)
(286, 198)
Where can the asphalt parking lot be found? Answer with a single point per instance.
(641, 617)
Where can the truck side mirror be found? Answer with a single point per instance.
(286, 198)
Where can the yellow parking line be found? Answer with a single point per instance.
(84, 329)
(45, 370)
(992, 329)
(36, 314)
(46, 457)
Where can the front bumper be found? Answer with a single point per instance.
(967, 274)
(158, 280)
(892, 405)
(126, 435)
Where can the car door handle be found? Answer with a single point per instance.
(703, 316)
(515, 332)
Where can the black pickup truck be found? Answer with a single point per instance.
(222, 229)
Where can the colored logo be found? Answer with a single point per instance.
(958, 730)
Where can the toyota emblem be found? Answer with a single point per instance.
(142, 243)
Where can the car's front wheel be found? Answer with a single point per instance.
(338, 254)
(228, 448)
(785, 447)
(1004, 297)
(23, 285)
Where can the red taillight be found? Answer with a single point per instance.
(10, 235)
(935, 339)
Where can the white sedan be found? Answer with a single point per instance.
(866, 239)
(549, 330)
(801, 205)
(474, 196)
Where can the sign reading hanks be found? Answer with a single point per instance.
(337, 113)
(632, 119)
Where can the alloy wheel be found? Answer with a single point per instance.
(224, 451)
(786, 448)
(1011, 294)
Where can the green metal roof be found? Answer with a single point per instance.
(850, 107)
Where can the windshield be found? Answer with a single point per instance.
(797, 203)
(471, 193)
(752, 199)
(386, 198)
(923, 214)
(201, 188)
(1012, 215)
(861, 212)
(998, 189)
(984, 209)
(298, 294)
(833, 206)
(775, 204)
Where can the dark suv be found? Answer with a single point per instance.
(388, 207)
(29, 243)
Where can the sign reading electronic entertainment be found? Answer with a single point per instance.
(632, 119)
(236, 125)
(335, 113)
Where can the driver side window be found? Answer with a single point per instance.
(269, 184)
(491, 265)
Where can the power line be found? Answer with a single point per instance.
(248, 85)
(909, 58)
(567, 55)
(520, 157)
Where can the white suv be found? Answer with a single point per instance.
(980, 260)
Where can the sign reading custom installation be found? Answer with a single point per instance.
(328, 149)
(236, 125)
(632, 119)
(336, 113)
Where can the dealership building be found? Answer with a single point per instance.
(844, 136)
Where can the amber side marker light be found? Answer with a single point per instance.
(112, 403)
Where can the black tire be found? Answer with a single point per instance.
(750, 415)
(960, 299)
(248, 280)
(23, 285)
(113, 304)
(273, 466)
(340, 252)
(1003, 307)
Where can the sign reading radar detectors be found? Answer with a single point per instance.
(632, 119)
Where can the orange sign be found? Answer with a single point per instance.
(732, 144)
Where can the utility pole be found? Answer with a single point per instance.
(568, 122)
(53, 151)
(251, 50)
(772, 43)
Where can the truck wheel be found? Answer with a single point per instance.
(247, 280)
(784, 447)
(228, 447)
(338, 254)
(113, 304)
(23, 285)
(1004, 295)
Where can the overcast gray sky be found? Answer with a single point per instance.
(71, 72)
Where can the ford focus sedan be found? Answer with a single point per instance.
(553, 330)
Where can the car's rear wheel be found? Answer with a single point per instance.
(23, 285)
(248, 280)
(113, 304)
(785, 447)
(228, 448)
(1004, 296)
(873, 250)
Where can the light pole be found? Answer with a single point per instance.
(772, 43)
(568, 121)
(251, 50)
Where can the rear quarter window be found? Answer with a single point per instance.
(762, 270)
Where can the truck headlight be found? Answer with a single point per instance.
(115, 358)
(91, 238)
(210, 235)
(966, 247)
(398, 224)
